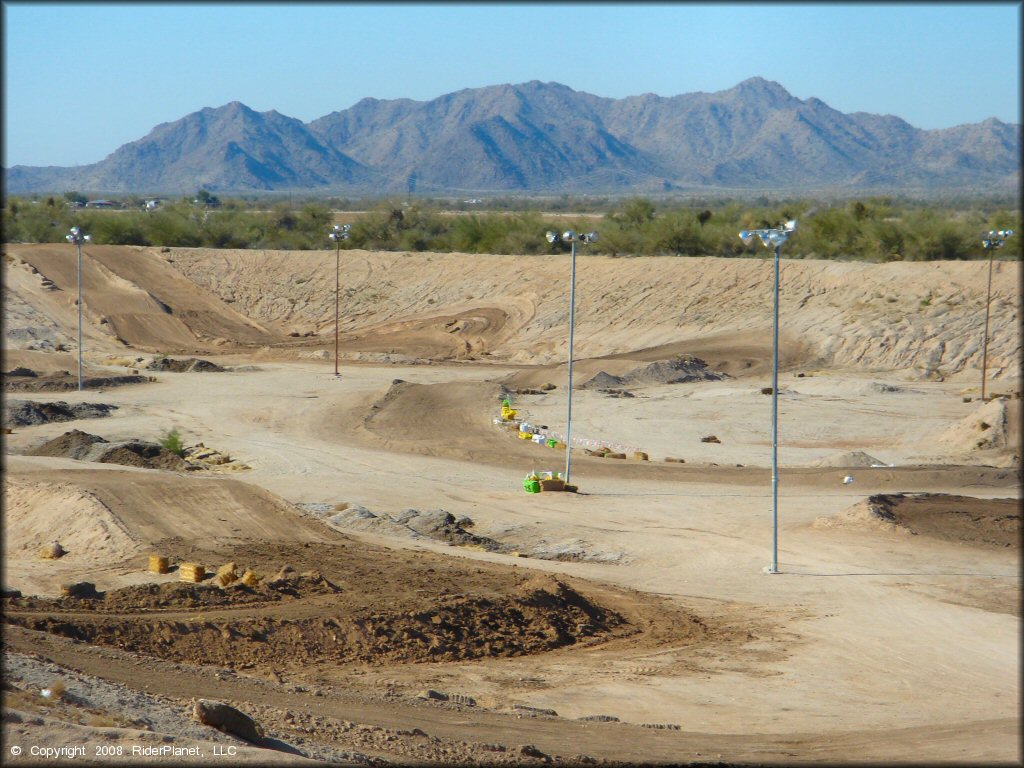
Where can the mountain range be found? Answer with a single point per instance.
(546, 138)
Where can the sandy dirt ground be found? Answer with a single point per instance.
(411, 604)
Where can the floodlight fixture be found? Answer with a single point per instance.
(78, 238)
(996, 239)
(991, 242)
(773, 237)
(571, 237)
(337, 234)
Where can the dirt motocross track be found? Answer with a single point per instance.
(408, 603)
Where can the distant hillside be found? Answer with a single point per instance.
(547, 138)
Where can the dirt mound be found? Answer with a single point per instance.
(435, 524)
(36, 513)
(603, 380)
(993, 426)
(156, 510)
(680, 370)
(21, 371)
(23, 413)
(443, 526)
(65, 381)
(683, 369)
(985, 523)
(188, 365)
(133, 453)
(75, 444)
(139, 453)
(849, 459)
(135, 296)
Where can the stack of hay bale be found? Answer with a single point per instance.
(226, 574)
(192, 572)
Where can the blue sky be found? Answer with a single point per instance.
(81, 79)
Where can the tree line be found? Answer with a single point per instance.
(872, 229)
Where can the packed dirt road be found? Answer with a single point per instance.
(411, 604)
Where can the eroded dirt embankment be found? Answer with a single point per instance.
(859, 315)
(920, 317)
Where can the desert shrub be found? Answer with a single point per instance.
(636, 213)
(171, 441)
(617, 240)
(678, 233)
(874, 228)
(122, 228)
(173, 226)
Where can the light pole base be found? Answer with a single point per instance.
(768, 569)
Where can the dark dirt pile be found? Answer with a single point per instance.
(679, 370)
(71, 445)
(133, 453)
(24, 413)
(315, 624)
(189, 365)
(27, 380)
(988, 523)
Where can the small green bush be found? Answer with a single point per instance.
(172, 442)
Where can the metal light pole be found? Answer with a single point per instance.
(572, 238)
(78, 238)
(338, 233)
(990, 243)
(774, 238)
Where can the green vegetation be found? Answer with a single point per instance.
(172, 442)
(872, 229)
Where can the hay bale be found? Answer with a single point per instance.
(672, 459)
(710, 439)
(193, 572)
(158, 564)
(228, 570)
(553, 484)
(640, 456)
(615, 455)
(250, 578)
(52, 551)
